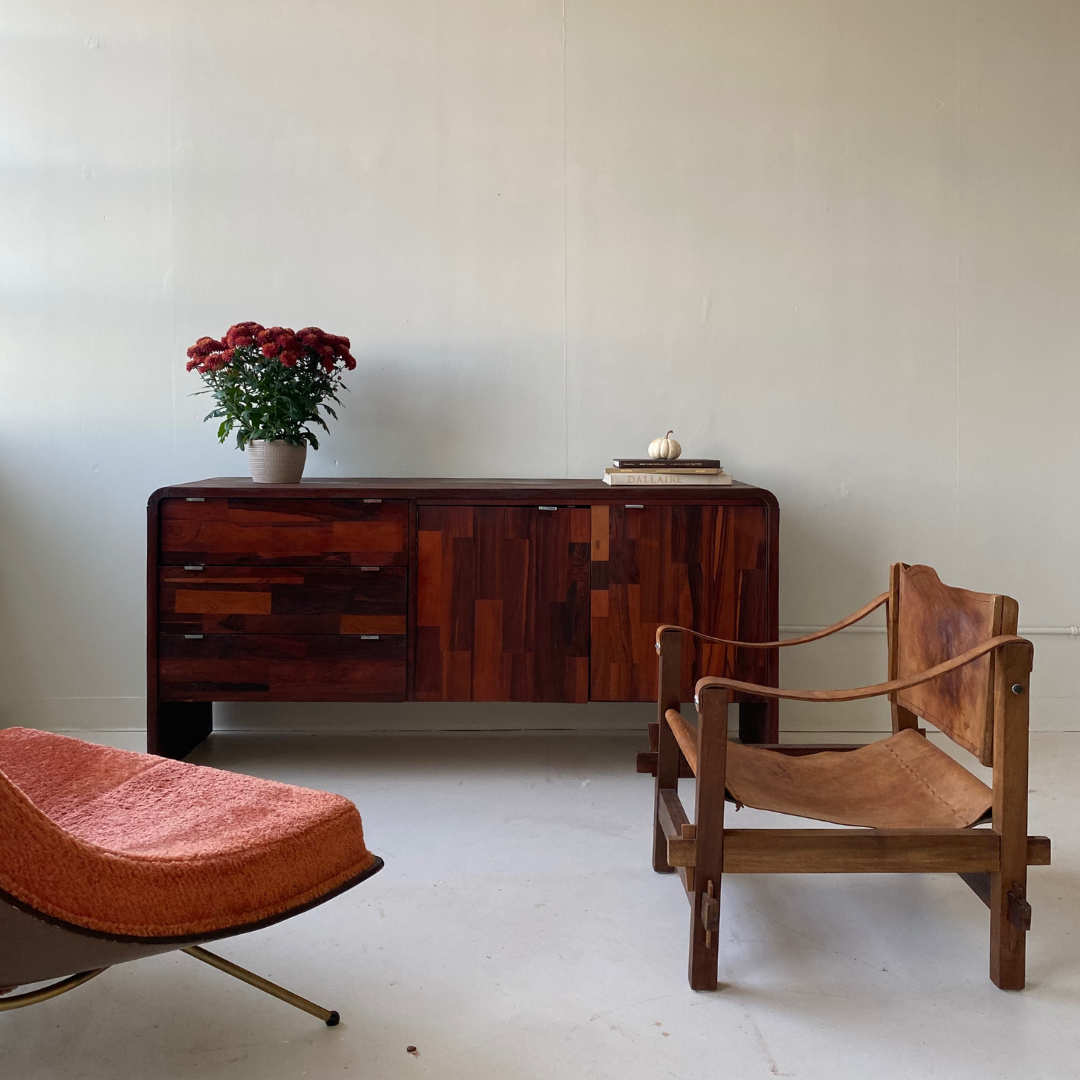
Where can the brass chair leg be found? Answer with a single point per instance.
(328, 1016)
(20, 1001)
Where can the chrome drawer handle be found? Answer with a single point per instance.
(194, 500)
(373, 501)
(369, 637)
(635, 506)
(371, 569)
(195, 566)
(547, 508)
(193, 637)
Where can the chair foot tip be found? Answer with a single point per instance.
(333, 1020)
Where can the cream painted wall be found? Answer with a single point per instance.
(835, 243)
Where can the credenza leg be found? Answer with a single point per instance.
(759, 722)
(175, 728)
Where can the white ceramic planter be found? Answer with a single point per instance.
(276, 461)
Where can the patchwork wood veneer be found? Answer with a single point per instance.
(448, 590)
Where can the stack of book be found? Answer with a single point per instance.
(649, 471)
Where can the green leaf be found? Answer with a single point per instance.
(260, 398)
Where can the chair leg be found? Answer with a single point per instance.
(1008, 941)
(709, 825)
(668, 757)
(32, 997)
(1010, 915)
(328, 1016)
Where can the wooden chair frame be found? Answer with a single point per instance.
(993, 862)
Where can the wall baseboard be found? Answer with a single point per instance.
(127, 714)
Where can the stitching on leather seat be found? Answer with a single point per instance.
(922, 779)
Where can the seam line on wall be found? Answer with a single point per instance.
(958, 149)
(565, 360)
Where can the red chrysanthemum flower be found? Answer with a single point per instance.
(227, 367)
(242, 334)
(204, 346)
(216, 361)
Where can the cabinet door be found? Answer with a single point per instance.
(502, 604)
(703, 567)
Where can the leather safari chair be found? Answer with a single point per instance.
(954, 660)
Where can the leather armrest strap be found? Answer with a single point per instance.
(854, 617)
(858, 692)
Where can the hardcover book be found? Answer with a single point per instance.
(652, 478)
(662, 463)
(672, 472)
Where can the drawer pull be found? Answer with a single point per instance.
(373, 500)
(371, 568)
(635, 506)
(195, 566)
(369, 637)
(195, 500)
(547, 508)
(193, 637)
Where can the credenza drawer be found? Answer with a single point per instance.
(278, 667)
(211, 599)
(284, 532)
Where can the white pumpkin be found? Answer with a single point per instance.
(666, 448)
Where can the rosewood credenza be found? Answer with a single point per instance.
(448, 590)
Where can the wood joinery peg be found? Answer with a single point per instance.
(1019, 911)
(710, 913)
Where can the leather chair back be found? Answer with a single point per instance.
(932, 623)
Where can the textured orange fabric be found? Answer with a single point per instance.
(902, 782)
(136, 845)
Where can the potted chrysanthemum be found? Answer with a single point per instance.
(269, 385)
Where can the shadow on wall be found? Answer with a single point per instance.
(72, 578)
(459, 411)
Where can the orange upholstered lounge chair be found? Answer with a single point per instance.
(108, 856)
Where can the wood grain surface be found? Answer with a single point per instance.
(282, 600)
(491, 603)
(502, 604)
(699, 566)
(284, 532)
(271, 667)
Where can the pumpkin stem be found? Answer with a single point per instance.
(668, 435)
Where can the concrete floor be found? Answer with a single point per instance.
(518, 932)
